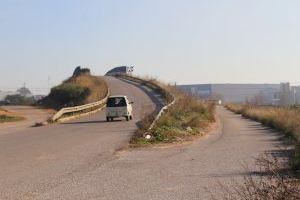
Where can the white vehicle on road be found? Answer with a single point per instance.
(118, 106)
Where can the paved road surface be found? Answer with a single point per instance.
(182, 173)
(33, 161)
(77, 160)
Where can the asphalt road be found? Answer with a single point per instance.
(36, 160)
(79, 160)
(187, 172)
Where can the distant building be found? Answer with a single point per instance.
(119, 71)
(236, 93)
(23, 91)
(285, 94)
(201, 90)
(38, 97)
(268, 96)
(296, 95)
(260, 94)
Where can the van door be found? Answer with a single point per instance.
(117, 107)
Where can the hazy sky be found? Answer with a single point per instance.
(188, 41)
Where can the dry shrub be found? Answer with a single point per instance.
(143, 127)
(76, 91)
(272, 182)
(195, 121)
(183, 119)
(96, 85)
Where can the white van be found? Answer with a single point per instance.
(118, 106)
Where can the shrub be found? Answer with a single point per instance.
(97, 86)
(187, 117)
(18, 100)
(81, 71)
(77, 90)
(68, 94)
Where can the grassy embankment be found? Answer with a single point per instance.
(77, 91)
(6, 116)
(188, 117)
(283, 119)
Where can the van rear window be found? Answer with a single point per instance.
(116, 102)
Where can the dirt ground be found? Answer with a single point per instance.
(31, 115)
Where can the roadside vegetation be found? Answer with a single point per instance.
(283, 119)
(188, 117)
(81, 88)
(6, 116)
(18, 99)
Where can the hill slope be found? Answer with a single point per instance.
(77, 90)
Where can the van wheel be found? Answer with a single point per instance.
(130, 117)
(127, 118)
(107, 119)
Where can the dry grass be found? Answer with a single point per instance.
(272, 181)
(284, 119)
(188, 117)
(97, 86)
(10, 118)
(6, 116)
(75, 91)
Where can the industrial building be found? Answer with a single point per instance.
(262, 94)
(296, 94)
(237, 93)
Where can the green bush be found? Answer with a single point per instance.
(67, 94)
(18, 100)
(80, 89)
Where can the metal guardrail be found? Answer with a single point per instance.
(161, 112)
(64, 111)
(153, 86)
(149, 84)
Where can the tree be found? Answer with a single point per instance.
(18, 99)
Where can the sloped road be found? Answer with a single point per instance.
(79, 160)
(36, 160)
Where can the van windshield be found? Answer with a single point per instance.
(116, 102)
